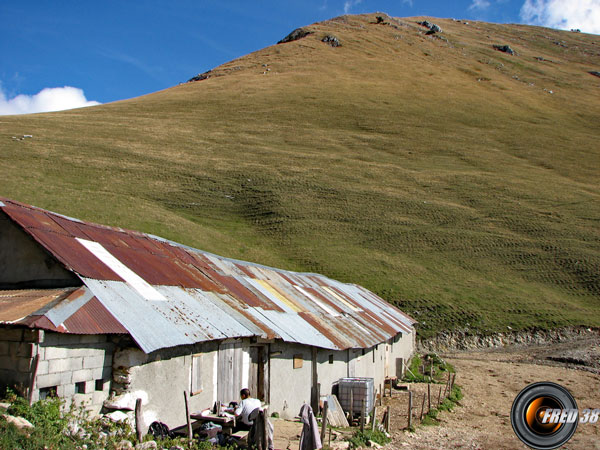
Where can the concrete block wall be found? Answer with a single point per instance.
(17, 348)
(79, 367)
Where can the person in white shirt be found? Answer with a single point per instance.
(244, 409)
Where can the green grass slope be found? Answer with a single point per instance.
(457, 181)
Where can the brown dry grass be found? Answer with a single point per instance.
(440, 173)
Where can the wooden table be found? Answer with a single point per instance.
(228, 423)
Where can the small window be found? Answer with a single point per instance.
(48, 392)
(196, 386)
(99, 385)
(80, 387)
(298, 361)
(331, 359)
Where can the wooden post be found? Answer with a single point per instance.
(422, 408)
(382, 392)
(428, 397)
(447, 385)
(387, 419)
(265, 429)
(453, 380)
(440, 397)
(362, 416)
(324, 425)
(351, 406)
(187, 416)
(374, 418)
(423, 369)
(138, 419)
(409, 409)
(431, 368)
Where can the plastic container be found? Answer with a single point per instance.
(361, 389)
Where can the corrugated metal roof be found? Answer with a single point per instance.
(166, 294)
(66, 310)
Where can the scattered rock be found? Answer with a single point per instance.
(374, 444)
(124, 445)
(117, 416)
(332, 40)
(505, 49)
(593, 72)
(298, 33)
(4, 405)
(20, 422)
(148, 445)
(176, 447)
(340, 445)
(433, 28)
(126, 402)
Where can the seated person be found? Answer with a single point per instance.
(244, 409)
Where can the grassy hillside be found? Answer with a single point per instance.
(457, 181)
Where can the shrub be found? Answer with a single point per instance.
(362, 438)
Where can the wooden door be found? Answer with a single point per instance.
(229, 372)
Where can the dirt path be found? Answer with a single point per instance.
(490, 381)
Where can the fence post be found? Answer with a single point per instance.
(374, 418)
(187, 416)
(362, 415)
(428, 397)
(324, 426)
(388, 419)
(409, 409)
(138, 419)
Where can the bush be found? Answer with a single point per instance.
(362, 438)
(440, 369)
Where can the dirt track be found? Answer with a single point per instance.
(490, 381)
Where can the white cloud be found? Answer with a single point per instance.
(480, 4)
(48, 99)
(349, 4)
(566, 15)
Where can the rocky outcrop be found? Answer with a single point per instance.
(433, 28)
(465, 340)
(201, 76)
(332, 40)
(298, 33)
(505, 49)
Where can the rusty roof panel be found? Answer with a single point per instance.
(93, 318)
(68, 310)
(18, 304)
(68, 251)
(172, 294)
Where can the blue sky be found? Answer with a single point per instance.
(116, 49)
